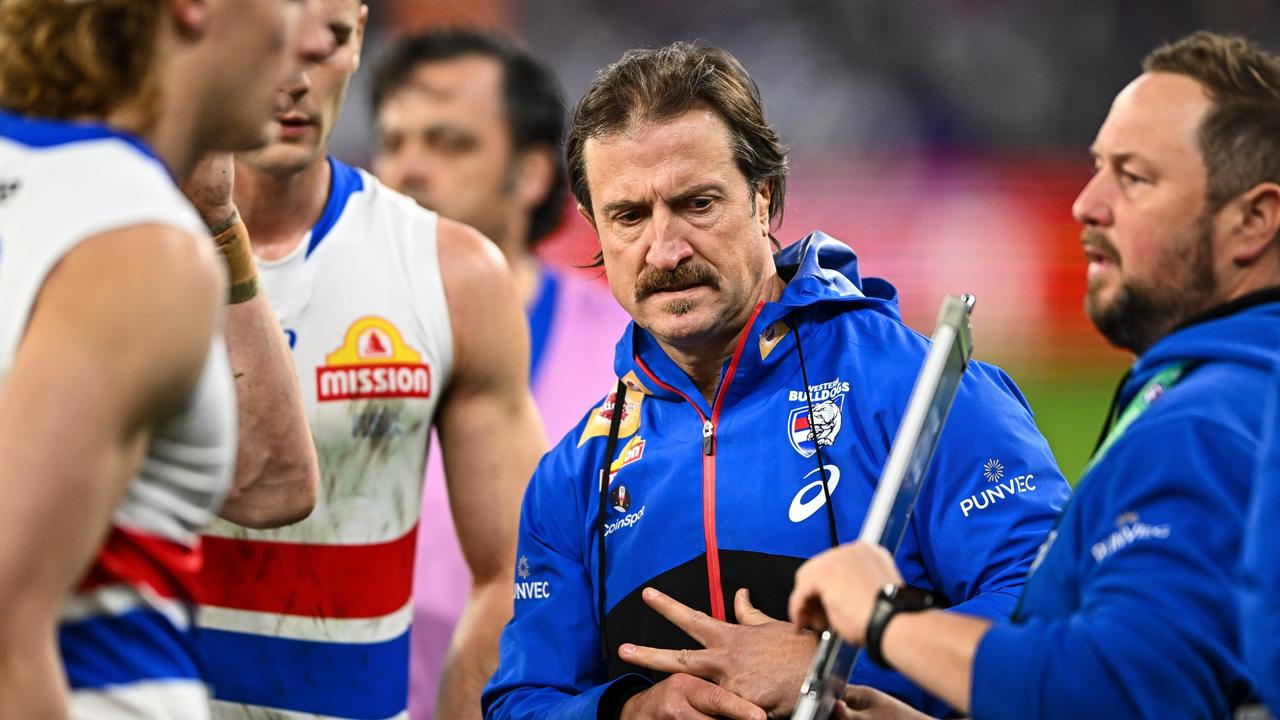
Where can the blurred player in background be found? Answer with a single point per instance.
(398, 320)
(1132, 607)
(117, 407)
(470, 125)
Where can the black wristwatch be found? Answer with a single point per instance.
(891, 600)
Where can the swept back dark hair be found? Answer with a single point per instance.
(532, 98)
(655, 85)
(1240, 136)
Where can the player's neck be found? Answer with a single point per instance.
(279, 208)
(524, 265)
(528, 277)
(171, 136)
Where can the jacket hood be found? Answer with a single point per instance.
(817, 269)
(1248, 336)
(820, 268)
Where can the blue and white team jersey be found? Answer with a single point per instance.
(125, 632)
(322, 630)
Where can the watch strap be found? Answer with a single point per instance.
(890, 601)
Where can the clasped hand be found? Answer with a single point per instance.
(744, 671)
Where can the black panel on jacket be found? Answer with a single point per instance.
(769, 578)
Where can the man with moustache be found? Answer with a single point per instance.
(1131, 609)
(756, 399)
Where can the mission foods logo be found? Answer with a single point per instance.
(373, 362)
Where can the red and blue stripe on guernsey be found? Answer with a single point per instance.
(125, 633)
(309, 628)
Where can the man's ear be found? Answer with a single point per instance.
(190, 16)
(586, 214)
(358, 37)
(763, 195)
(1255, 220)
(535, 173)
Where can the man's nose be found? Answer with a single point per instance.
(315, 41)
(1092, 206)
(669, 247)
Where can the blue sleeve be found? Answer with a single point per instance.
(549, 660)
(991, 496)
(1155, 632)
(993, 493)
(1260, 594)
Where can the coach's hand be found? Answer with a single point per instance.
(209, 187)
(683, 696)
(761, 660)
(864, 703)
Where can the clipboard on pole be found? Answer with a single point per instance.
(899, 486)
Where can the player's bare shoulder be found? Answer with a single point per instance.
(478, 282)
(484, 309)
(150, 265)
(467, 257)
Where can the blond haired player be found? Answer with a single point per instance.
(117, 403)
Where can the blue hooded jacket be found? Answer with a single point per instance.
(708, 498)
(1132, 611)
(1261, 559)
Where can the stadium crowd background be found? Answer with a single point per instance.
(943, 140)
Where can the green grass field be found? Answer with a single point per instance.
(1070, 404)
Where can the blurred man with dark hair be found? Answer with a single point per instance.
(470, 125)
(1131, 610)
(754, 406)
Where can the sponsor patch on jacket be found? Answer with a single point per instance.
(1129, 530)
(632, 381)
(373, 362)
(600, 419)
(631, 452)
(625, 522)
(620, 498)
(771, 336)
(527, 588)
(998, 488)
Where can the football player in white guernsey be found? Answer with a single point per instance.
(399, 320)
(117, 403)
(470, 124)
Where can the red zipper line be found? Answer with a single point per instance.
(709, 465)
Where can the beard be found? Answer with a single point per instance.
(1140, 314)
(678, 307)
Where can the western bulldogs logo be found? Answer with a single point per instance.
(807, 432)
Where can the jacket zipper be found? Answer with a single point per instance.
(709, 464)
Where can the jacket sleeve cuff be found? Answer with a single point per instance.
(996, 691)
(617, 693)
